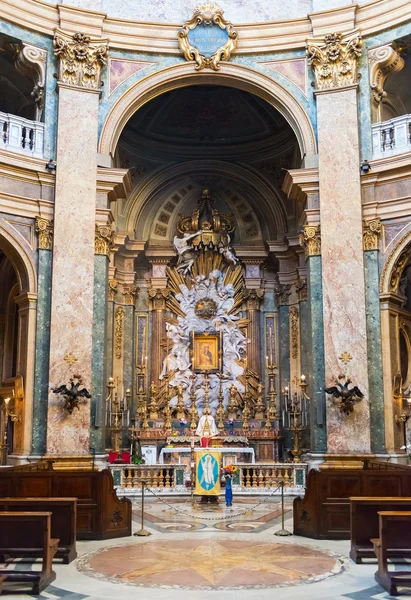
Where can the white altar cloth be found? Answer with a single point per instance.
(225, 450)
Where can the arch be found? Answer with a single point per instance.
(20, 259)
(395, 265)
(230, 75)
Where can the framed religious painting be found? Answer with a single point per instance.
(206, 352)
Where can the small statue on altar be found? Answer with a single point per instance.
(206, 428)
(259, 407)
(232, 405)
(181, 409)
(153, 406)
(153, 390)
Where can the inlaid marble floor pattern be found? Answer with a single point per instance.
(197, 553)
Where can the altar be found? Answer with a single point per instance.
(230, 455)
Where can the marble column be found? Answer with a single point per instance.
(375, 368)
(158, 330)
(334, 60)
(130, 293)
(253, 299)
(45, 244)
(71, 331)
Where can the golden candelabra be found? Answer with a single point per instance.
(193, 409)
(181, 410)
(142, 408)
(295, 413)
(271, 408)
(220, 413)
(117, 414)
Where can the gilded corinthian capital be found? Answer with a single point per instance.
(103, 239)
(371, 234)
(44, 228)
(310, 240)
(334, 59)
(81, 59)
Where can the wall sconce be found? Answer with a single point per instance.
(51, 166)
(13, 417)
(365, 167)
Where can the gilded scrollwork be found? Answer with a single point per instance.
(119, 330)
(44, 228)
(130, 292)
(383, 61)
(371, 234)
(81, 59)
(310, 240)
(208, 15)
(112, 289)
(103, 239)
(334, 60)
(294, 327)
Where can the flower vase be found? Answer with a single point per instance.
(182, 428)
(228, 492)
(231, 428)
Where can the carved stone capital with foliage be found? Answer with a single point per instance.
(282, 292)
(302, 289)
(383, 61)
(112, 289)
(334, 60)
(44, 228)
(81, 59)
(130, 293)
(310, 240)
(103, 239)
(253, 298)
(371, 234)
(158, 296)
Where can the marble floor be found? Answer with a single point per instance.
(213, 553)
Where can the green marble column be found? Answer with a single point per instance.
(128, 351)
(41, 370)
(97, 402)
(315, 352)
(284, 362)
(375, 376)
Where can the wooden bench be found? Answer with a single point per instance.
(394, 535)
(2, 578)
(63, 520)
(28, 532)
(365, 523)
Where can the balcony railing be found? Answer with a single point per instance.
(21, 135)
(391, 137)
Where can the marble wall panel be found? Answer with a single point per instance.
(343, 265)
(73, 266)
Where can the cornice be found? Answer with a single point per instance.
(26, 207)
(25, 168)
(161, 38)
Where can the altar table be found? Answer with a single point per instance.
(184, 452)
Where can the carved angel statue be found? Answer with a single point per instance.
(346, 396)
(228, 252)
(153, 390)
(186, 255)
(72, 396)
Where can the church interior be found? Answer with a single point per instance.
(205, 299)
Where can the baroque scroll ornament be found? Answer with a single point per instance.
(214, 40)
(81, 59)
(334, 60)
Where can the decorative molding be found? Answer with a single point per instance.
(70, 359)
(371, 234)
(310, 240)
(44, 228)
(395, 265)
(281, 293)
(383, 61)
(301, 288)
(294, 331)
(119, 330)
(112, 289)
(103, 239)
(345, 358)
(211, 16)
(31, 61)
(158, 297)
(253, 298)
(334, 59)
(130, 293)
(81, 59)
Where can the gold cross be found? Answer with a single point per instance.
(345, 357)
(70, 359)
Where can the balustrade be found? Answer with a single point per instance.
(21, 135)
(391, 137)
(154, 476)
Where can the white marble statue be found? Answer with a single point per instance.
(186, 255)
(206, 426)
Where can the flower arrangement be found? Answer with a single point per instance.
(183, 422)
(228, 471)
(230, 422)
(138, 459)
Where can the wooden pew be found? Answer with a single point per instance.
(394, 535)
(28, 531)
(324, 512)
(63, 520)
(2, 578)
(365, 523)
(101, 515)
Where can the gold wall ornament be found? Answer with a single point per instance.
(103, 239)
(44, 228)
(345, 357)
(310, 240)
(207, 38)
(334, 59)
(130, 293)
(119, 330)
(294, 330)
(81, 59)
(383, 61)
(70, 359)
(302, 289)
(398, 269)
(112, 289)
(371, 234)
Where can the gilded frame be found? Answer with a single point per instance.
(209, 14)
(206, 352)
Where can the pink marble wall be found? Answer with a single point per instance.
(342, 264)
(73, 266)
